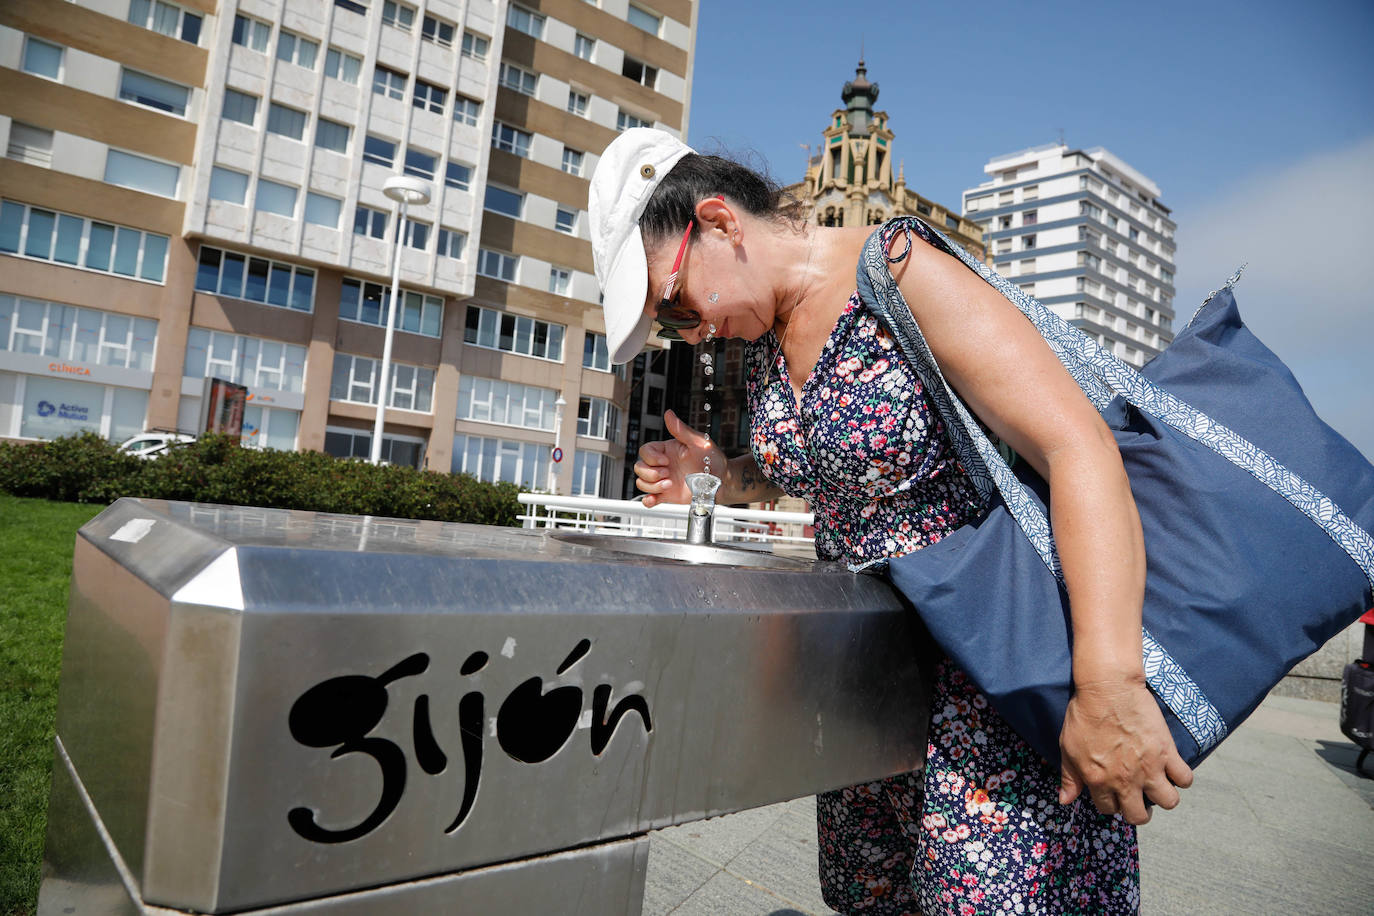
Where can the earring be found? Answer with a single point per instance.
(713, 297)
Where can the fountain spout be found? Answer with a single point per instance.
(701, 515)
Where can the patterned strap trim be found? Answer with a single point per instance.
(1092, 366)
(1166, 677)
(1181, 694)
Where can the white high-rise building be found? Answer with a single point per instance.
(1086, 234)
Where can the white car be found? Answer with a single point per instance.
(150, 445)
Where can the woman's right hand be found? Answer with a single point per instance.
(662, 469)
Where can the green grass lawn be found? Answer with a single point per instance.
(36, 539)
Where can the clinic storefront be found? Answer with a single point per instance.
(43, 398)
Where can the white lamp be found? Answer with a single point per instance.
(405, 190)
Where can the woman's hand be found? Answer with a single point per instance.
(662, 469)
(1116, 745)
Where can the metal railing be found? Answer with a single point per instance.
(632, 519)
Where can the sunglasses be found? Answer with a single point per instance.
(672, 316)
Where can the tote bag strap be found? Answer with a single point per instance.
(994, 479)
(1101, 375)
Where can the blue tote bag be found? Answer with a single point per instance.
(1256, 516)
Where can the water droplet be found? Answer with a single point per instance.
(710, 387)
(706, 406)
(708, 370)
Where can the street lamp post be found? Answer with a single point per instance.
(558, 406)
(405, 190)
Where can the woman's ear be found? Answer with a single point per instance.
(715, 216)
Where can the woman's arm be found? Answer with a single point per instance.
(662, 469)
(1115, 742)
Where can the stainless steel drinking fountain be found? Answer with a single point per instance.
(288, 712)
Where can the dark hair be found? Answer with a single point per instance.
(696, 177)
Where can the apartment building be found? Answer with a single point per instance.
(194, 190)
(1086, 234)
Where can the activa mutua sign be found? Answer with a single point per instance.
(68, 369)
(64, 411)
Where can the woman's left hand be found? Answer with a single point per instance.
(1116, 745)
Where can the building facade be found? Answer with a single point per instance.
(1087, 235)
(851, 182)
(194, 190)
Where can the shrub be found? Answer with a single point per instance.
(213, 469)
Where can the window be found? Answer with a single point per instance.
(640, 72)
(355, 377)
(560, 280)
(583, 46)
(523, 20)
(591, 473)
(322, 210)
(642, 19)
(379, 151)
(295, 49)
(1030, 192)
(437, 31)
(252, 361)
(489, 400)
(416, 234)
(496, 265)
(572, 161)
(389, 83)
(153, 92)
(1133, 234)
(513, 77)
(577, 103)
(353, 6)
(451, 243)
(1030, 217)
(342, 66)
(42, 58)
(141, 173)
(1028, 241)
(398, 15)
(166, 19)
(77, 334)
(624, 121)
(349, 443)
(251, 33)
(1089, 210)
(420, 164)
(523, 463)
(565, 220)
(331, 135)
(513, 333)
(507, 203)
(241, 276)
(63, 238)
(240, 106)
(429, 96)
(597, 418)
(1003, 246)
(510, 139)
(1004, 222)
(226, 184)
(30, 144)
(474, 46)
(369, 222)
(594, 353)
(458, 176)
(466, 110)
(273, 197)
(285, 121)
(1026, 267)
(366, 302)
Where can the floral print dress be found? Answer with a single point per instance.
(981, 830)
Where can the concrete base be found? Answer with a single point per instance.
(1318, 677)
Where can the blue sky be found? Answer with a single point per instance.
(1256, 119)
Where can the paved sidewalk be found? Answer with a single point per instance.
(1276, 822)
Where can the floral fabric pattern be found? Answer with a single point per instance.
(981, 831)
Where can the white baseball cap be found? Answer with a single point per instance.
(625, 178)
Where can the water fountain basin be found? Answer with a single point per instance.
(672, 549)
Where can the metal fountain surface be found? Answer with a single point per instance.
(292, 712)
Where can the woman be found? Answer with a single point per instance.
(704, 246)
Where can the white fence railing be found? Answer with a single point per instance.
(630, 518)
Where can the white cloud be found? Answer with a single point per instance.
(1305, 231)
